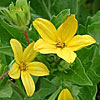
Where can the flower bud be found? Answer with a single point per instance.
(18, 14)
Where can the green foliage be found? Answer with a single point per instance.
(93, 24)
(76, 75)
(60, 18)
(81, 77)
(54, 95)
(59, 5)
(90, 93)
(6, 50)
(46, 88)
(47, 8)
(6, 91)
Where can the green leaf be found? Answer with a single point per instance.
(9, 32)
(6, 50)
(82, 30)
(3, 82)
(75, 90)
(54, 95)
(60, 18)
(60, 5)
(17, 88)
(88, 92)
(56, 81)
(35, 78)
(46, 88)
(94, 30)
(76, 75)
(14, 32)
(83, 13)
(93, 24)
(4, 35)
(14, 96)
(93, 76)
(47, 8)
(94, 19)
(42, 7)
(90, 58)
(6, 91)
(96, 61)
(85, 55)
(2, 63)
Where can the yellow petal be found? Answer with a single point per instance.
(29, 53)
(46, 29)
(17, 49)
(44, 47)
(65, 95)
(28, 83)
(15, 71)
(67, 54)
(80, 41)
(37, 69)
(68, 29)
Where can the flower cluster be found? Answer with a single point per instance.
(61, 41)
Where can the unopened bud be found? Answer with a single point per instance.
(19, 14)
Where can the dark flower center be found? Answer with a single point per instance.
(22, 66)
(60, 45)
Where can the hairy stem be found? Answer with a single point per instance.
(26, 37)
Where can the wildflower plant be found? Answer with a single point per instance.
(49, 50)
(24, 67)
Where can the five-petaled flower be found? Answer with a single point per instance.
(61, 41)
(24, 67)
(65, 95)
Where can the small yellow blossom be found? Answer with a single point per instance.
(61, 41)
(65, 95)
(24, 67)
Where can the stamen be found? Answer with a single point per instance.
(22, 66)
(60, 44)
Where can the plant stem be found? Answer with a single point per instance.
(26, 37)
(5, 74)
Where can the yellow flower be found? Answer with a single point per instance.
(24, 67)
(65, 95)
(61, 41)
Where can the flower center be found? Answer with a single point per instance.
(22, 66)
(60, 45)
